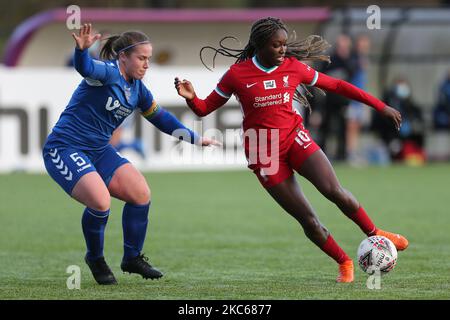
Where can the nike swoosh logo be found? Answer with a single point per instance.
(251, 85)
(307, 145)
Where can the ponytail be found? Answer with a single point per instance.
(107, 52)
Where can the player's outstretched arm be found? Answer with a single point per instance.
(84, 64)
(200, 107)
(169, 124)
(352, 92)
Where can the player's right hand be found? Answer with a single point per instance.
(393, 115)
(184, 88)
(85, 37)
(205, 142)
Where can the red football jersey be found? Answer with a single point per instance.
(266, 95)
(266, 100)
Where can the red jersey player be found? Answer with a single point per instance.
(264, 80)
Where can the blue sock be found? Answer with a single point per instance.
(134, 224)
(94, 223)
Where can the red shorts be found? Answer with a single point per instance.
(302, 147)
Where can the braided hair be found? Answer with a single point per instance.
(309, 49)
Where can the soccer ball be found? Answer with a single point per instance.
(377, 254)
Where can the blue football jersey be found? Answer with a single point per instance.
(99, 105)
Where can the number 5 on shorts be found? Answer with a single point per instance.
(77, 159)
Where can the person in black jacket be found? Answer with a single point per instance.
(412, 130)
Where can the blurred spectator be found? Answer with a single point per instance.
(408, 143)
(441, 113)
(332, 112)
(355, 111)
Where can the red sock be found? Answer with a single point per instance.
(361, 218)
(331, 248)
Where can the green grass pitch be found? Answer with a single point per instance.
(218, 235)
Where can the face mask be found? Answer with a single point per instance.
(402, 91)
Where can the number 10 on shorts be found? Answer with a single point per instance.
(302, 138)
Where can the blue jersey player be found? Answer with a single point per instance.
(78, 156)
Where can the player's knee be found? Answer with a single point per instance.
(142, 196)
(102, 204)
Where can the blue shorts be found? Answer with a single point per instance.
(66, 165)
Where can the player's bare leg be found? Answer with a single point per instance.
(290, 197)
(91, 191)
(129, 185)
(319, 171)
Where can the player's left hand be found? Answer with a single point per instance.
(85, 37)
(394, 115)
(204, 142)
